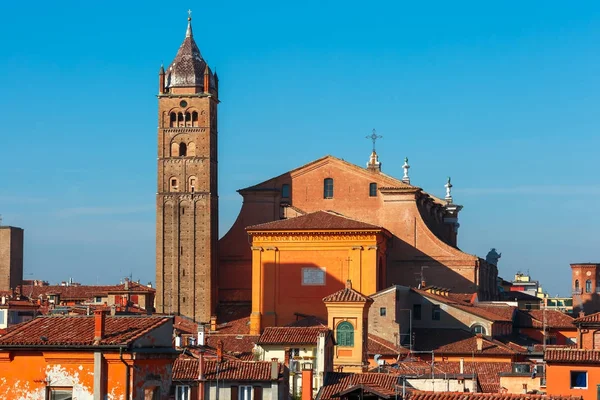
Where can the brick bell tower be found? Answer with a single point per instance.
(187, 201)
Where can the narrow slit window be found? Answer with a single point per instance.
(328, 188)
(373, 189)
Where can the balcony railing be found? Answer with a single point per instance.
(577, 291)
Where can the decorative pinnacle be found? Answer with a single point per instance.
(188, 32)
(374, 136)
(405, 167)
(448, 187)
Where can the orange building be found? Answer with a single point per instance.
(87, 358)
(423, 227)
(298, 261)
(553, 326)
(574, 372)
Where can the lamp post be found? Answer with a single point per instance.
(409, 326)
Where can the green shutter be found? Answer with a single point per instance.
(345, 334)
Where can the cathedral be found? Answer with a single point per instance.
(299, 236)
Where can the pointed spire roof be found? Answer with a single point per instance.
(187, 69)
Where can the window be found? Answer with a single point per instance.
(373, 189)
(578, 379)
(2, 317)
(194, 118)
(417, 312)
(174, 185)
(478, 329)
(245, 393)
(97, 299)
(182, 393)
(182, 149)
(345, 334)
(285, 191)
(60, 393)
(588, 286)
(173, 119)
(435, 312)
(328, 188)
(382, 312)
(576, 284)
(313, 276)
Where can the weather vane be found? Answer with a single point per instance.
(374, 136)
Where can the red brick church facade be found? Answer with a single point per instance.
(423, 227)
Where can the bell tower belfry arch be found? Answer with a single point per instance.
(187, 200)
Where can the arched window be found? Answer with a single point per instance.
(478, 329)
(173, 119)
(373, 189)
(285, 191)
(179, 119)
(182, 149)
(188, 118)
(588, 286)
(576, 284)
(345, 334)
(192, 184)
(328, 188)
(195, 118)
(173, 185)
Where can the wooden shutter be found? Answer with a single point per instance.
(258, 392)
(234, 392)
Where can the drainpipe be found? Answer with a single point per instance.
(127, 374)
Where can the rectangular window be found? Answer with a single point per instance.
(245, 393)
(373, 189)
(382, 312)
(313, 276)
(578, 379)
(417, 312)
(328, 188)
(60, 393)
(435, 312)
(182, 392)
(285, 191)
(2, 322)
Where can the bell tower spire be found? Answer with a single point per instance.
(186, 202)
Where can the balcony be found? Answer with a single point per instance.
(577, 291)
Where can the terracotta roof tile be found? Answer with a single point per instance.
(347, 294)
(592, 318)
(574, 356)
(186, 369)
(83, 292)
(417, 395)
(79, 331)
(535, 319)
(234, 318)
(239, 346)
(319, 220)
(377, 345)
(291, 335)
(457, 341)
(336, 382)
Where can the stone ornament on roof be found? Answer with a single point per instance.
(493, 256)
(405, 167)
(448, 187)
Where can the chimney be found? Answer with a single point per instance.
(126, 284)
(479, 339)
(462, 365)
(274, 369)
(348, 284)
(220, 351)
(200, 335)
(307, 381)
(178, 341)
(99, 323)
(213, 323)
(581, 314)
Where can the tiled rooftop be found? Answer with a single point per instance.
(346, 295)
(187, 369)
(319, 220)
(291, 335)
(457, 341)
(79, 331)
(417, 395)
(592, 318)
(336, 382)
(535, 319)
(574, 356)
(83, 292)
(377, 345)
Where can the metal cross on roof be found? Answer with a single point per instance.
(374, 136)
(190, 13)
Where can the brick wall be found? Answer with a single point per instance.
(11, 257)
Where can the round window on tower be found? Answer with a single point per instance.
(183, 103)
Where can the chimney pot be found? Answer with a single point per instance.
(274, 369)
(479, 339)
(99, 325)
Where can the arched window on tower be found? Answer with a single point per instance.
(194, 118)
(172, 119)
(188, 119)
(328, 188)
(588, 286)
(576, 285)
(345, 334)
(173, 185)
(179, 119)
(191, 184)
(182, 149)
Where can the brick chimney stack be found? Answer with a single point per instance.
(307, 381)
(201, 376)
(99, 325)
(286, 357)
(479, 339)
(274, 369)
(220, 351)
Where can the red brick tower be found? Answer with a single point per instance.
(187, 202)
(586, 287)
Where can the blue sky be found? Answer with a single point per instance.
(502, 97)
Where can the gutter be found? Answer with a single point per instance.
(127, 373)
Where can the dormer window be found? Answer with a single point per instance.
(328, 188)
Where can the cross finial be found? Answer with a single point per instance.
(189, 15)
(374, 136)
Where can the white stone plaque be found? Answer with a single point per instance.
(313, 276)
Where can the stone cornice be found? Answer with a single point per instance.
(186, 129)
(306, 236)
(183, 196)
